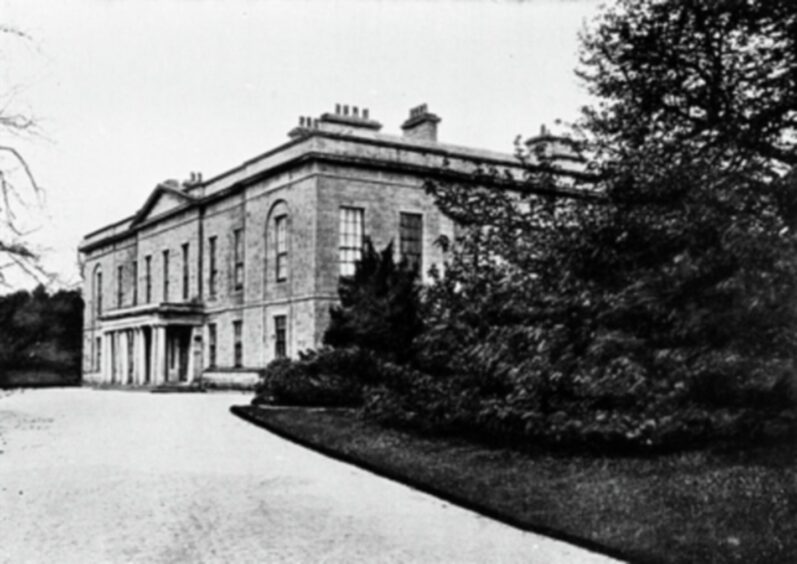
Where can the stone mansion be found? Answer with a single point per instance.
(212, 279)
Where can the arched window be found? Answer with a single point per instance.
(98, 290)
(278, 243)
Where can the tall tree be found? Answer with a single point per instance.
(19, 188)
(696, 134)
(676, 288)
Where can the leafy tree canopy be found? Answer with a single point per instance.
(695, 79)
(676, 289)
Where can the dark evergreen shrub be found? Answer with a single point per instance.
(379, 306)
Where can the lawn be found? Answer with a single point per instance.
(715, 505)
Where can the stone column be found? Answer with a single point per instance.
(141, 358)
(113, 357)
(107, 361)
(118, 375)
(158, 355)
(123, 359)
(134, 338)
(189, 372)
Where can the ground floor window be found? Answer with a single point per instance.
(238, 349)
(280, 336)
(212, 345)
(98, 353)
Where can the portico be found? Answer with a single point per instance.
(152, 345)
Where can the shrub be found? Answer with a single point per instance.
(379, 306)
(328, 377)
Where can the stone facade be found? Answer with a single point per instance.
(215, 278)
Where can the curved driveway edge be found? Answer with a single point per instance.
(244, 412)
(115, 477)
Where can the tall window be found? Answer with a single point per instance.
(135, 282)
(148, 278)
(281, 247)
(239, 258)
(166, 276)
(120, 271)
(212, 345)
(238, 346)
(186, 288)
(351, 239)
(411, 238)
(98, 353)
(98, 290)
(212, 265)
(280, 336)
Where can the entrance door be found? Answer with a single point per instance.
(184, 347)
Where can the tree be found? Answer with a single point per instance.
(18, 185)
(705, 79)
(41, 331)
(378, 307)
(665, 308)
(696, 134)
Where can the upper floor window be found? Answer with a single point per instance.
(148, 278)
(120, 271)
(166, 276)
(411, 238)
(351, 239)
(186, 277)
(238, 235)
(135, 282)
(98, 290)
(212, 280)
(281, 247)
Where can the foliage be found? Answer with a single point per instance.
(697, 79)
(328, 377)
(658, 307)
(638, 289)
(379, 306)
(41, 331)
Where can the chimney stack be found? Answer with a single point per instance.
(421, 125)
(346, 119)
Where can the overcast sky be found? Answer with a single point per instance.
(128, 94)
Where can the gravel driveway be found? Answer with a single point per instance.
(107, 476)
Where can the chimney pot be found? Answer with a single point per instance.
(337, 109)
(355, 111)
(365, 113)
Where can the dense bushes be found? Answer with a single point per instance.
(328, 377)
(40, 334)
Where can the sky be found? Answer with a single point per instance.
(128, 94)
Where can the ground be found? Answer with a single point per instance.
(109, 476)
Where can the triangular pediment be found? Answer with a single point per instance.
(163, 199)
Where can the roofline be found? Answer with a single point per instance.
(449, 151)
(109, 225)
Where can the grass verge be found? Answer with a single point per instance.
(715, 505)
